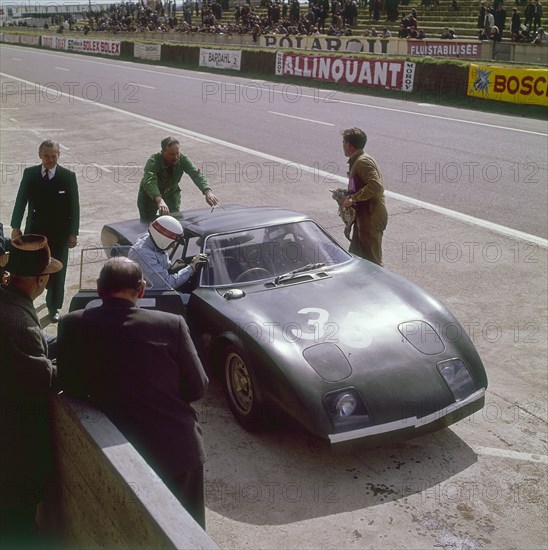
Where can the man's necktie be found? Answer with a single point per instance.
(45, 177)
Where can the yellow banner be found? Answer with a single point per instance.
(509, 84)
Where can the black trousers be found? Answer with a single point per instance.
(56, 284)
(188, 487)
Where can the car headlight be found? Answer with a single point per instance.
(345, 405)
(457, 377)
(346, 409)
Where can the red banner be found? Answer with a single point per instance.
(376, 73)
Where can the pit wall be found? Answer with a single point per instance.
(103, 494)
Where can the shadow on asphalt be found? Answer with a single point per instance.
(284, 475)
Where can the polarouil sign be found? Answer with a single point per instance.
(508, 84)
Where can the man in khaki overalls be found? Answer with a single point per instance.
(366, 195)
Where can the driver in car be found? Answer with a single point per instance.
(151, 252)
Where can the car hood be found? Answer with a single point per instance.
(351, 306)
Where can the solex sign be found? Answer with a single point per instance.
(106, 47)
(377, 73)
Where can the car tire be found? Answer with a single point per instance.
(241, 389)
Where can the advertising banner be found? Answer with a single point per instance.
(376, 73)
(32, 39)
(220, 59)
(353, 44)
(151, 52)
(509, 84)
(86, 45)
(55, 42)
(10, 38)
(444, 48)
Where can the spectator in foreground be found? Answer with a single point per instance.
(140, 367)
(27, 375)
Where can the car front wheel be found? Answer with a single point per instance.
(240, 389)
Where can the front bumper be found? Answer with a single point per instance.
(447, 415)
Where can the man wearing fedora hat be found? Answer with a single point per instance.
(51, 193)
(26, 374)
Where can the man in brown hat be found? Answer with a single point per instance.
(25, 378)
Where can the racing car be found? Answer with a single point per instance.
(292, 323)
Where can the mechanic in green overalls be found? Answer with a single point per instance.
(159, 191)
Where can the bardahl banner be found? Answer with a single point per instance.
(376, 73)
(444, 48)
(331, 43)
(152, 52)
(220, 59)
(508, 84)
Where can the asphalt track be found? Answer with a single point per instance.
(480, 484)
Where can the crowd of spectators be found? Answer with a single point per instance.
(294, 17)
(288, 17)
(524, 25)
(291, 17)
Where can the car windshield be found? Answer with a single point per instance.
(268, 252)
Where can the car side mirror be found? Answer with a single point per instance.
(233, 294)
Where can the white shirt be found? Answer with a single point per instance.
(51, 173)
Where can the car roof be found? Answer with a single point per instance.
(234, 217)
(207, 221)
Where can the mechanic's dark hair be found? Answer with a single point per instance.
(355, 137)
(119, 274)
(49, 143)
(168, 142)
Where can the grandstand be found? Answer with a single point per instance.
(432, 19)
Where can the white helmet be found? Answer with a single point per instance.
(164, 231)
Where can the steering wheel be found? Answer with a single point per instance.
(242, 276)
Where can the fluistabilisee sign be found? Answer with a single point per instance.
(444, 48)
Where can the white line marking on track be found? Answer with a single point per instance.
(101, 167)
(514, 455)
(506, 231)
(301, 118)
(63, 69)
(142, 85)
(32, 129)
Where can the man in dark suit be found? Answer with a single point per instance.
(51, 193)
(141, 369)
(26, 376)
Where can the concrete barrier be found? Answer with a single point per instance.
(103, 494)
